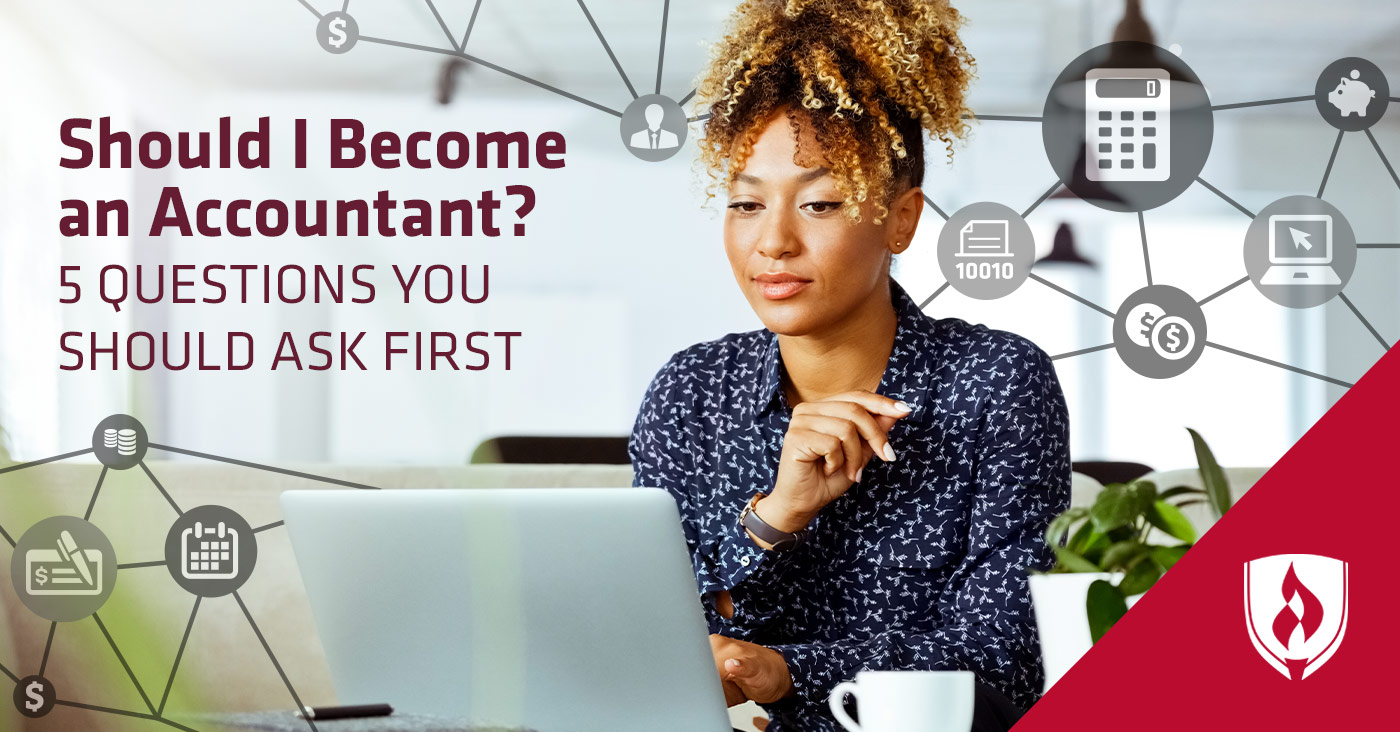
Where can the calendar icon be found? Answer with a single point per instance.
(1127, 124)
(208, 553)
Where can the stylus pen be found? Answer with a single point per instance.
(348, 712)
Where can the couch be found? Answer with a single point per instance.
(223, 666)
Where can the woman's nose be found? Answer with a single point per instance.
(777, 237)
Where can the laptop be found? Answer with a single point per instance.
(558, 610)
(1300, 251)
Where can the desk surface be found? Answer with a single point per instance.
(286, 721)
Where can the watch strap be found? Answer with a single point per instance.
(779, 539)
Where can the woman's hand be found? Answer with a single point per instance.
(827, 444)
(750, 671)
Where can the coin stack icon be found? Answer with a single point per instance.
(109, 439)
(126, 441)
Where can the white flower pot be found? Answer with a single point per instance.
(1061, 618)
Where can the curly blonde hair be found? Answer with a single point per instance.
(868, 76)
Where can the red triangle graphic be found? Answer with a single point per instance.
(1182, 657)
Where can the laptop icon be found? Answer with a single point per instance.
(1300, 250)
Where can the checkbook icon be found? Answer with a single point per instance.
(66, 570)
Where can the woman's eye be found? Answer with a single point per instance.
(745, 206)
(823, 206)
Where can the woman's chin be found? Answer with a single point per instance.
(783, 318)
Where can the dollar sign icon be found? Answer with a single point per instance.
(33, 698)
(41, 576)
(1146, 323)
(337, 28)
(337, 32)
(1138, 325)
(1172, 337)
(1173, 343)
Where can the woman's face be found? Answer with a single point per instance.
(800, 262)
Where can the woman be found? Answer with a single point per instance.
(862, 486)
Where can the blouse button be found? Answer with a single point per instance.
(744, 560)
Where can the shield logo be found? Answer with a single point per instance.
(1295, 608)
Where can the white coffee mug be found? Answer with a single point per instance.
(907, 701)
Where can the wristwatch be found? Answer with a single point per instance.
(781, 540)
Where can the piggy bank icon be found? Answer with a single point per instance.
(1352, 96)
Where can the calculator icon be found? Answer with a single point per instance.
(209, 553)
(1127, 124)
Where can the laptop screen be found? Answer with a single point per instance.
(1304, 239)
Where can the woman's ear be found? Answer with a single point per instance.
(904, 219)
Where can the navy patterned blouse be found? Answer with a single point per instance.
(922, 564)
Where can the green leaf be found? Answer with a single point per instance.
(1095, 545)
(1180, 490)
(1112, 507)
(1071, 561)
(1080, 538)
(1140, 578)
(1212, 477)
(1120, 504)
(1104, 604)
(1120, 554)
(1170, 519)
(1168, 556)
(1059, 526)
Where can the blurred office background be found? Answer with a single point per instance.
(622, 266)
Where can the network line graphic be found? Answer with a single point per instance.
(210, 552)
(1127, 127)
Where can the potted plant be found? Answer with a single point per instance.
(1110, 553)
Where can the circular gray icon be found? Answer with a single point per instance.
(34, 696)
(337, 32)
(1352, 94)
(1159, 331)
(120, 442)
(653, 127)
(210, 551)
(1299, 251)
(986, 250)
(1127, 126)
(63, 568)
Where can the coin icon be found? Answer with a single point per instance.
(1173, 337)
(34, 696)
(120, 442)
(337, 32)
(1139, 323)
(1159, 331)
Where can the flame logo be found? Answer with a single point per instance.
(1302, 635)
(1286, 620)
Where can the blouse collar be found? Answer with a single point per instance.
(906, 372)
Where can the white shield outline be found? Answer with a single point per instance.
(1261, 645)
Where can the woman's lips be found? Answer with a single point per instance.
(776, 286)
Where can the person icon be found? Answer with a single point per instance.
(662, 124)
(653, 137)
